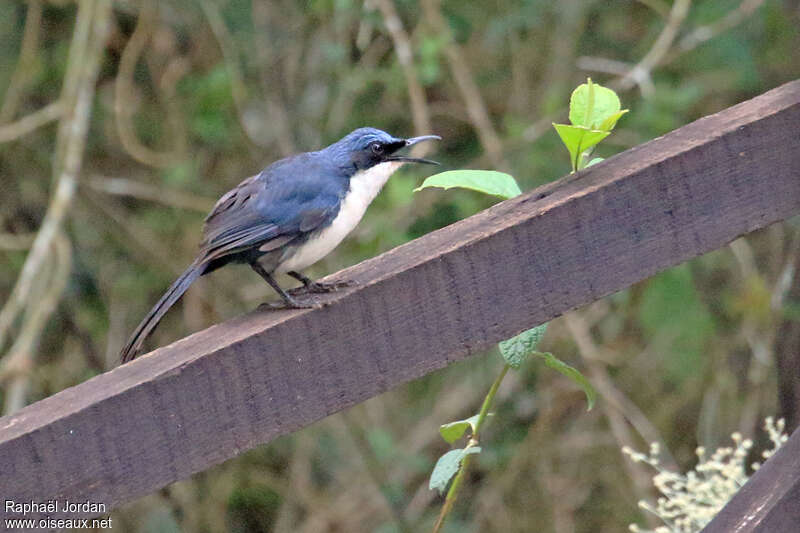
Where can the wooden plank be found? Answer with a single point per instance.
(417, 308)
(770, 500)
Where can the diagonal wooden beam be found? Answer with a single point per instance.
(417, 308)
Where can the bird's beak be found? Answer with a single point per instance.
(414, 140)
(411, 142)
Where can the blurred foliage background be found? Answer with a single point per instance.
(192, 96)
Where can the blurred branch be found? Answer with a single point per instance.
(659, 6)
(29, 123)
(402, 47)
(617, 407)
(25, 64)
(135, 235)
(521, 65)
(659, 54)
(278, 110)
(664, 49)
(745, 258)
(580, 331)
(71, 327)
(705, 33)
(629, 76)
(230, 57)
(16, 365)
(354, 82)
(144, 243)
(787, 340)
(123, 94)
(640, 73)
(760, 340)
(79, 82)
(476, 107)
(152, 193)
(541, 126)
(558, 71)
(604, 65)
(787, 274)
(169, 13)
(420, 112)
(175, 70)
(217, 24)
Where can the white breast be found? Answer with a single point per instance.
(364, 187)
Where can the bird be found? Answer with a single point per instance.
(288, 217)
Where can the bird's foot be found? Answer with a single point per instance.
(323, 287)
(291, 304)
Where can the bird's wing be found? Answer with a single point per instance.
(238, 195)
(240, 239)
(269, 210)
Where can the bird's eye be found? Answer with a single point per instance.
(377, 148)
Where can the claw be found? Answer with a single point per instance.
(294, 304)
(331, 286)
(323, 287)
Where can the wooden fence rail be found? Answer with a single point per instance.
(417, 308)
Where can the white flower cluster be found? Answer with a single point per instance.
(689, 502)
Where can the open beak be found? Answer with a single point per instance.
(411, 142)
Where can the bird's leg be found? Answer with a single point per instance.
(289, 302)
(319, 286)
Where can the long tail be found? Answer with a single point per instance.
(149, 323)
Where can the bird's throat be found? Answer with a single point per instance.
(366, 184)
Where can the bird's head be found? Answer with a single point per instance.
(365, 148)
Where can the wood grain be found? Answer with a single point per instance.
(417, 308)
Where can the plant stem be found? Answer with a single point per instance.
(452, 494)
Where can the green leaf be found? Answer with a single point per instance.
(485, 181)
(447, 466)
(453, 431)
(571, 137)
(611, 121)
(560, 366)
(594, 161)
(591, 138)
(591, 104)
(578, 139)
(516, 350)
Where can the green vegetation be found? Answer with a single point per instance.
(593, 111)
(589, 106)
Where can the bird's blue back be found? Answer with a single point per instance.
(291, 197)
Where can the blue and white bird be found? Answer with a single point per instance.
(288, 217)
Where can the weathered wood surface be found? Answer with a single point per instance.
(417, 308)
(770, 501)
